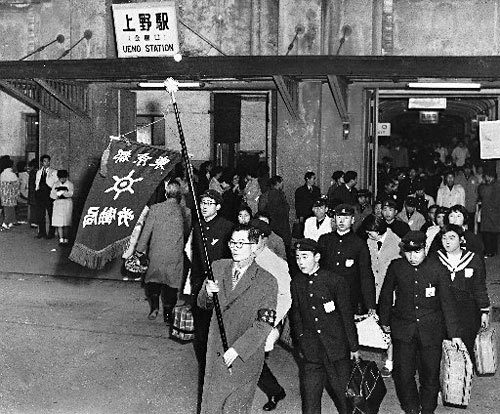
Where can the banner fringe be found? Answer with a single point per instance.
(94, 259)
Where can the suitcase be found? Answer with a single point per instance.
(365, 389)
(286, 334)
(455, 374)
(485, 351)
(183, 324)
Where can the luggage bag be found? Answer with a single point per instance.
(455, 374)
(485, 351)
(183, 324)
(365, 389)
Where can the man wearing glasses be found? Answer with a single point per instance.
(247, 296)
(217, 231)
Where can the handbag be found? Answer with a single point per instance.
(455, 374)
(485, 351)
(366, 388)
(370, 334)
(137, 264)
(182, 328)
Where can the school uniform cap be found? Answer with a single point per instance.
(320, 202)
(344, 210)
(262, 226)
(413, 240)
(389, 202)
(213, 194)
(307, 245)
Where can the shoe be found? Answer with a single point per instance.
(4, 226)
(40, 236)
(273, 401)
(385, 372)
(153, 314)
(34, 226)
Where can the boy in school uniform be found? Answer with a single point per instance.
(324, 328)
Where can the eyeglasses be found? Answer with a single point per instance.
(237, 244)
(208, 203)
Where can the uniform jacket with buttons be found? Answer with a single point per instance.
(322, 315)
(429, 314)
(304, 200)
(348, 256)
(217, 233)
(225, 392)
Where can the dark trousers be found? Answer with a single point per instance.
(44, 205)
(405, 368)
(268, 382)
(317, 375)
(470, 220)
(490, 240)
(168, 296)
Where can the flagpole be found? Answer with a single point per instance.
(171, 87)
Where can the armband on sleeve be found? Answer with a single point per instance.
(267, 315)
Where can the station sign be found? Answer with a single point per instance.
(146, 29)
(427, 103)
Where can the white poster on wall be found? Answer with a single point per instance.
(489, 139)
(146, 29)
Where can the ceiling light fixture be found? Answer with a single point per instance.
(161, 85)
(444, 85)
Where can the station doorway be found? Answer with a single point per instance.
(422, 121)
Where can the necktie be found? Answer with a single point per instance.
(236, 277)
(379, 245)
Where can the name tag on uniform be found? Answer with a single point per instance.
(329, 306)
(214, 241)
(430, 292)
(349, 262)
(469, 272)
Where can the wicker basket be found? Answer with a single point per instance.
(455, 374)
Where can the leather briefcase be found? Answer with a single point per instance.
(365, 389)
(485, 351)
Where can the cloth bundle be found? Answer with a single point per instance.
(455, 374)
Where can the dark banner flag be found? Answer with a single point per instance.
(116, 199)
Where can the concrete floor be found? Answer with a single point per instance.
(74, 345)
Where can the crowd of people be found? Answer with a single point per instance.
(30, 194)
(410, 258)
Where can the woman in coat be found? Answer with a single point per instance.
(9, 192)
(467, 281)
(162, 238)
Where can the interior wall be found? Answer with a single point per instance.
(13, 132)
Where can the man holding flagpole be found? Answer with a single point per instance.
(247, 295)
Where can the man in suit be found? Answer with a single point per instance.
(305, 196)
(217, 231)
(346, 193)
(423, 315)
(45, 178)
(345, 254)
(247, 295)
(324, 329)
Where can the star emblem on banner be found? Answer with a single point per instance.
(123, 184)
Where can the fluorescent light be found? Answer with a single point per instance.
(161, 85)
(444, 85)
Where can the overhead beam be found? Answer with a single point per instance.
(339, 93)
(263, 67)
(288, 100)
(66, 102)
(17, 94)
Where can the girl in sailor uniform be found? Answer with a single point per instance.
(467, 282)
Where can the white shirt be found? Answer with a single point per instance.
(448, 198)
(311, 230)
(50, 180)
(459, 155)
